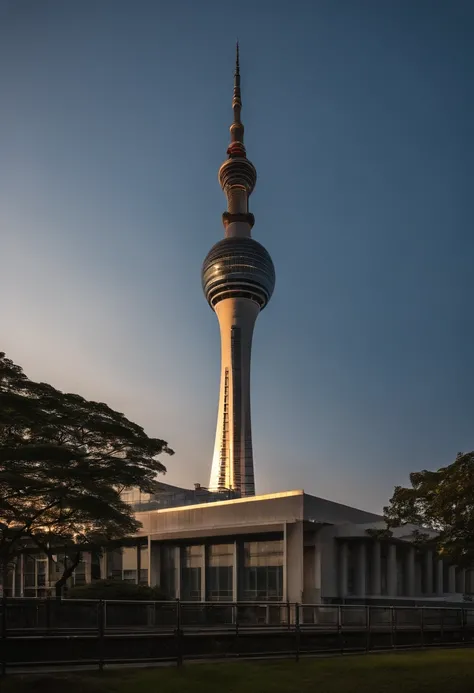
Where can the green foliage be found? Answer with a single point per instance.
(442, 501)
(116, 589)
(64, 461)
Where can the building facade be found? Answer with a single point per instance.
(283, 547)
(292, 547)
(238, 279)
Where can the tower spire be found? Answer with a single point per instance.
(237, 175)
(236, 147)
(237, 98)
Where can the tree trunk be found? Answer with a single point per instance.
(68, 571)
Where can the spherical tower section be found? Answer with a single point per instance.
(238, 268)
(238, 278)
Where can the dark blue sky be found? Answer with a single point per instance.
(114, 120)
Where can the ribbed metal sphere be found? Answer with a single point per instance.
(237, 172)
(238, 268)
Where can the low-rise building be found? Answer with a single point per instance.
(289, 547)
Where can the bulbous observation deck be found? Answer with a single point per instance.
(238, 268)
(237, 172)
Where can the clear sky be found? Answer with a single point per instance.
(114, 119)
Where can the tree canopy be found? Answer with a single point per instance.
(442, 501)
(64, 462)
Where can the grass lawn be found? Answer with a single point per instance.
(443, 671)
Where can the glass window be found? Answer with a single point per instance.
(29, 580)
(220, 567)
(95, 566)
(114, 564)
(18, 585)
(129, 564)
(29, 572)
(80, 573)
(191, 565)
(263, 571)
(144, 565)
(168, 570)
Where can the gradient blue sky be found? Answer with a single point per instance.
(114, 120)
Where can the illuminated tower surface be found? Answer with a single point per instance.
(238, 279)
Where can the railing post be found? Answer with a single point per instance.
(4, 634)
(422, 627)
(179, 649)
(367, 625)
(392, 627)
(101, 628)
(297, 632)
(47, 607)
(288, 615)
(441, 634)
(339, 628)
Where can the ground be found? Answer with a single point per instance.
(443, 671)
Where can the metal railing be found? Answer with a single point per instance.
(51, 631)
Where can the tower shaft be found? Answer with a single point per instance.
(232, 464)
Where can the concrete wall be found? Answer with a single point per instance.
(322, 510)
(232, 517)
(293, 568)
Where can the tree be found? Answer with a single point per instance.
(64, 462)
(442, 501)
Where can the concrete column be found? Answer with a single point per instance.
(461, 581)
(376, 587)
(429, 573)
(87, 558)
(317, 568)
(452, 579)
(22, 576)
(410, 572)
(293, 568)
(418, 583)
(49, 577)
(439, 577)
(204, 563)
(236, 573)
(103, 562)
(392, 570)
(154, 563)
(361, 587)
(468, 587)
(344, 570)
(139, 562)
(177, 572)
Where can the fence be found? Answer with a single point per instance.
(51, 631)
